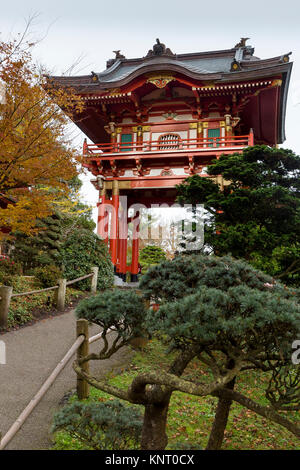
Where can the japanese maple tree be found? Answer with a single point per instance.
(35, 152)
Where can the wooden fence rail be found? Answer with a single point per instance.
(6, 294)
(81, 345)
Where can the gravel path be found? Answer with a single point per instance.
(31, 355)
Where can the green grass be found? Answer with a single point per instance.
(190, 418)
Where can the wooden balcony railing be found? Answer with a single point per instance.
(155, 146)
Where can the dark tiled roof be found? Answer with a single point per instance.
(213, 65)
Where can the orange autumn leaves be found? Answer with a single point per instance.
(35, 151)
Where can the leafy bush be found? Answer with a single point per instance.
(48, 275)
(122, 309)
(80, 252)
(101, 426)
(8, 269)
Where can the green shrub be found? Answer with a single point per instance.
(8, 269)
(48, 275)
(101, 426)
(80, 252)
(124, 310)
(172, 280)
(151, 255)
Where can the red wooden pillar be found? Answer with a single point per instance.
(251, 138)
(123, 234)
(114, 222)
(135, 248)
(102, 226)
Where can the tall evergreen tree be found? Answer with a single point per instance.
(42, 248)
(217, 311)
(257, 214)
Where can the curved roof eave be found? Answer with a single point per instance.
(283, 102)
(205, 75)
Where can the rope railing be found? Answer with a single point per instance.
(20, 294)
(81, 345)
(79, 279)
(39, 395)
(6, 293)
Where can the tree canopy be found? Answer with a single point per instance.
(35, 151)
(255, 215)
(227, 316)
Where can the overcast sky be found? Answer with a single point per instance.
(93, 29)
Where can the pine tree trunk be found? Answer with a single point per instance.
(221, 418)
(154, 435)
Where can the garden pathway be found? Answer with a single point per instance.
(31, 355)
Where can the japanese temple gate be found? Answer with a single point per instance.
(153, 121)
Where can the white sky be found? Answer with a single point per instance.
(94, 28)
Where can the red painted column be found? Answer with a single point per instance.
(123, 234)
(251, 138)
(102, 226)
(114, 222)
(135, 247)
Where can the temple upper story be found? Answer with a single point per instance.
(163, 92)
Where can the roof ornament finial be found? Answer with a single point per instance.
(118, 55)
(95, 77)
(242, 43)
(159, 49)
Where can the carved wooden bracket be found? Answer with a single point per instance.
(113, 167)
(192, 168)
(139, 170)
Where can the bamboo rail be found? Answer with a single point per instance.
(39, 395)
(6, 293)
(50, 380)
(20, 294)
(79, 279)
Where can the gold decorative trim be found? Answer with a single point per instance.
(277, 82)
(114, 91)
(119, 130)
(193, 125)
(222, 123)
(146, 128)
(160, 81)
(205, 124)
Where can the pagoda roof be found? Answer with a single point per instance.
(236, 64)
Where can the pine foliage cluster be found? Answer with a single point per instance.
(101, 426)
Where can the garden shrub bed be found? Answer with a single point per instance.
(191, 417)
(29, 308)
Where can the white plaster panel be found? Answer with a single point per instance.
(183, 117)
(128, 173)
(156, 118)
(193, 133)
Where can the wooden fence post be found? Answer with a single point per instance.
(61, 294)
(82, 328)
(5, 294)
(95, 270)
